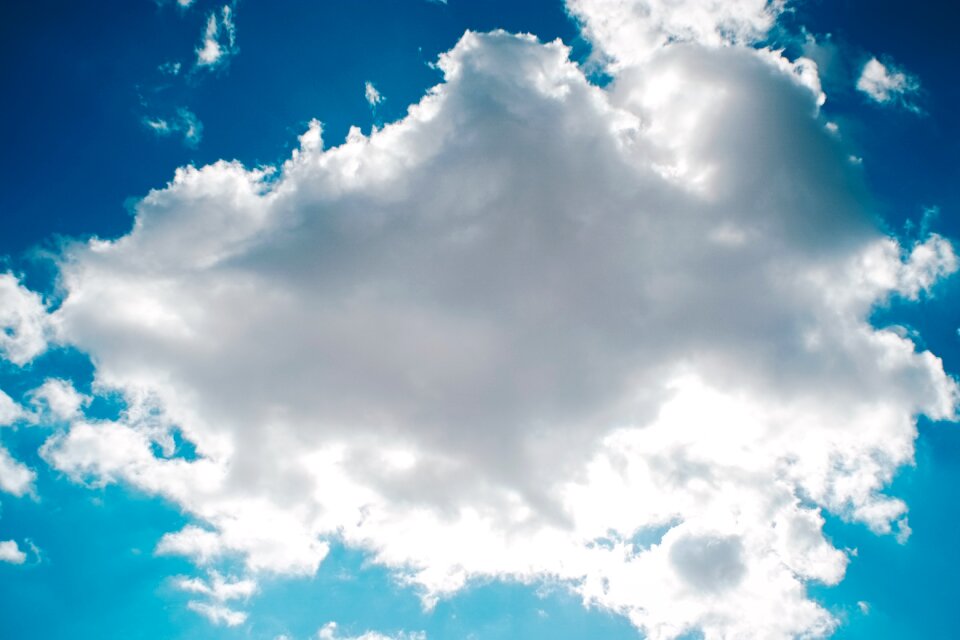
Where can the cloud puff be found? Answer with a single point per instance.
(218, 588)
(23, 332)
(10, 411)
(535, 330)
(631, 31)
(58, 400)
(219, 41)
(885, 84)
(371, 94)
(15, 478)
(10, 552)
(218, 614)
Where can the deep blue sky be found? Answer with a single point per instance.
(78, 79)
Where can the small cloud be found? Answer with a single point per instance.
(184, 3)
(864, 607)
(371, 94)
(886, 84)
(219, 41)
(57, 399)
(15, 478)
(10, 411)
(170, 68)
(185, 122)
(218, 588)
(10, 552)
(903, 531)
(218, 614)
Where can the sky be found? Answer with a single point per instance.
(409, 319)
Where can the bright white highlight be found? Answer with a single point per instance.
(10, 552)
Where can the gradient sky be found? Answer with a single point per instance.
(244, 318)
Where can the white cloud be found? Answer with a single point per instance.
(219, 41)
(185, 3)
(628, 32)
(219, 588)
(15, 478)
(184, 122)
(10, 411)
(520, 330)
(22, 322)
(57, 400)
(10, 552)
(329, 632)
(371, 94)
(886, 84)
(218, 614)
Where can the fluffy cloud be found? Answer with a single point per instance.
(10, 411)
(219, 40)
(10, 552)
(22, 322)
(631, 31)
(885, 84)
(536, 329)
(57, 400)
(15, 478)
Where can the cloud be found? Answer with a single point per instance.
(10, 552)
(58, 400)
(219, 41)
(329, 632)
(523, 329)
(10, 411)
(371, 94)
(185, 122)
(15, 478)
(631, 31)
(218, 614)
(218, 588)
(23, 329)
(886, 84)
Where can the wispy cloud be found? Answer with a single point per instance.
(218, 614)
(184, 122)
(219, 41)
(887, 84)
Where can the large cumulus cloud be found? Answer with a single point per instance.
(536, 329)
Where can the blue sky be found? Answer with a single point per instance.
(651, 332)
